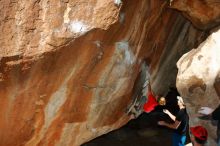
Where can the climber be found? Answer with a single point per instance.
(198, 136)
(180, 125)
(154, 102)
(213, 114)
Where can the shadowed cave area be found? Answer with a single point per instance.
(141, 131)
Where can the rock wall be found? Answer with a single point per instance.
(68, 67)
(203, 14)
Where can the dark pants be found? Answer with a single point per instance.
(218, 133)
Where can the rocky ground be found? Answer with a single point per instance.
(142, 131)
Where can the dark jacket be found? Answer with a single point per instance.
(216, 116)
(216, 113)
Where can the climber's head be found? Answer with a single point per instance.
(180, 101)
(162, 101)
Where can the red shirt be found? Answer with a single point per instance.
(151, 103)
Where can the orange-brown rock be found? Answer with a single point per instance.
(68, 67)
(204, 14)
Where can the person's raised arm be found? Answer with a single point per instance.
(169, 114)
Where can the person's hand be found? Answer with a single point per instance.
(161, 123)
(132, 116)
(205, 110)
(166, 111)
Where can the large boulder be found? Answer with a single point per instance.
(198, 80)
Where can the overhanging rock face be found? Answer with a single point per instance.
(68, 67)
(203, 14)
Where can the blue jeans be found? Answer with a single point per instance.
(219, 142)
(178, 140)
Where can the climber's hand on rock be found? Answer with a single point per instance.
(205, 110)
(161, 123)
(133, 116)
